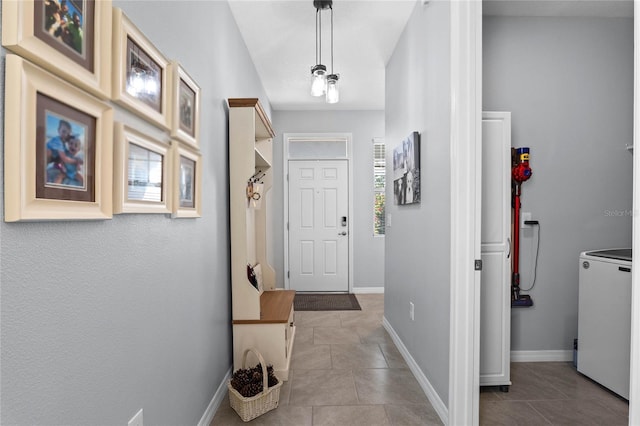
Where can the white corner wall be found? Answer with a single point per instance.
(102, 318)
(417, 264)
(368, 268)
(568, 83)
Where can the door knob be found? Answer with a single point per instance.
(343, 233)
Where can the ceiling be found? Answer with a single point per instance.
(280, 36)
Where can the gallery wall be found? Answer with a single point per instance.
(368, 268)
(568, 83)
(102, 318)
(417, 238)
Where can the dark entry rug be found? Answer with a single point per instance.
(325, 302)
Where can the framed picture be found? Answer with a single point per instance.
(406, 170)
(139, 72)
(185, 106)
(187, 175)
(58, 156)
(142, 173)
(70, 38)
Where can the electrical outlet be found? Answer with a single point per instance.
(136, 420)
(524, 216)
(411, 311)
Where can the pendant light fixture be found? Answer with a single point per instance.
(321, 83)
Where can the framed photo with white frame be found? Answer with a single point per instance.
(140, 73)
(142, 174)
(185, 106)
(70, 38)
(58, 158)
(187, 176)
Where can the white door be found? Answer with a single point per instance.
(495, 298)
(318, 226)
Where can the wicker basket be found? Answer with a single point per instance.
(250, 408)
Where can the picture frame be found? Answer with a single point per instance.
(73, 42)
(406, 170)
(140, 73)
(185, 106)
(187, 178)
(58, 158)
(142, 173)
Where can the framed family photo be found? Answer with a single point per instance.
(140, 73)
(142, 173)
(70, 38)
(185, 106)
(58, 148)
(187, 176)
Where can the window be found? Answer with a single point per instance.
(379, 176)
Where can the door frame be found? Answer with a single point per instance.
(285, 173)
(466, 94)
(466, 208)
(634, 386)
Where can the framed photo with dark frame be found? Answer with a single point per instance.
(70, 38)
(185, 106)
(406, 170)
(58, 148)
(187, 175)
(142, 175)
(140, 73)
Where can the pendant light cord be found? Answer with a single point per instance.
(331, 39)
(318, 39)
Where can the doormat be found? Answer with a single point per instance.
(325, 302)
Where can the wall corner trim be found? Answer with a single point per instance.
(426, 386)
(210, 412)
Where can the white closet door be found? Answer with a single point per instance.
(495, 304)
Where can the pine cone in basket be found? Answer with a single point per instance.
(248, 381)
(252, 389)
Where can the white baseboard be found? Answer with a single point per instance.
(369, 290)
(210, 412)
(541, 356)
(426, 386)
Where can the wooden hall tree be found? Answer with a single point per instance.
(262, 316)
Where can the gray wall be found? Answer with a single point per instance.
(418, 240)
(102, 318)
(364, 126)
(569, 85)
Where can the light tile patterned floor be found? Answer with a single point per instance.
(551, 393)
(346, 370)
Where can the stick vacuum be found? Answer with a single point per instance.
(520, 173)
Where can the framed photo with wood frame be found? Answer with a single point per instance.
(58, 157)
(185, 106)
(70, 38)
(140, 79)
(142, 173)
(187, 175)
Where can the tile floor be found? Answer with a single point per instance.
(346, 370)
(551, 393)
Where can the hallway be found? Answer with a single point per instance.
(345, 370)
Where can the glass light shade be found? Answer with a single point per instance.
(333, 95)
(318, 80)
